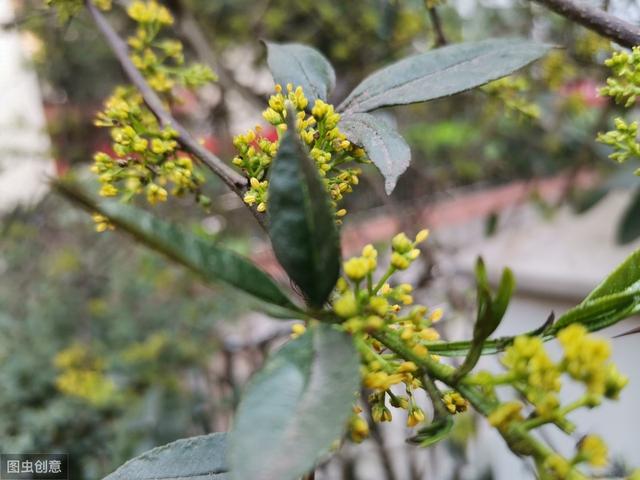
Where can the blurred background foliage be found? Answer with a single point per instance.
(105, 348)
(121, 344)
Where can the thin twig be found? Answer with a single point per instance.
(618, 30)
(441, 39)
(230, 177)
(190, 29)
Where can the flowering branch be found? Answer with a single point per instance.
(231, 178)
(518, 439)
(624, 33)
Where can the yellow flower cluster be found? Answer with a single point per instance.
(82, 375)
(150, 13)
(454, 402)
(68, 8)
(102, 223)
(505, 414)
(529, 362)
(509, 91)
(624, 87)
(358, 426)
(586, 359)
(366, 307)
(328, 147)
(591, 450)
(147, 158)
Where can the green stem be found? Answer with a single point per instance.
(390, 271)
(502, 379)
(517, 438)
(435, 396)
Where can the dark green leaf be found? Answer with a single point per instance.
(383, 144)
(301, 66)
(442, 72)
(629, 226)
(295, 407)
(301, 221)
(196, 458)
(583, 201)
(433, 433)
(206, 259)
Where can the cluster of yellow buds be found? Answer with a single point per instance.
(68, 8)
(532, 372)
(454, 402)
(529, 362)
(358, 426)
(82, 375)
(146, 157)
(585, 360)
(102, 223)
(328, 147)
(161, 61)
(366, 306)
(624, 87)
(590, 450)
(509, 92)
(150, 14)
(623, 140)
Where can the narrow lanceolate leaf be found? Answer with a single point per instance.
(301, 66)
(442, 72)
(436, 431)
(385, 146)
(629, 226)
(296, 407)
(301, 221)
(626, 277)
(212, 263)
(490, 312)
(196, 458)
(600, 312)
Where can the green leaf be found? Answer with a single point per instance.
(209, 261)
(503, 296)
(436, 431)
(624, 278)
(296, 407)
(585, 200)
(383, 144)
(301, 221)
(600, 312)
(301, 66)
(490, 314)
(196, 458)
(629, 226)
(442, 72)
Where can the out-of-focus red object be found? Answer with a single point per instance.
(587, 90)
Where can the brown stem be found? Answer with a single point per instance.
(618, 30)
(230, 177)
(441, 39)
